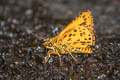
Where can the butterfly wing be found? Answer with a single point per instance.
(84, 18)
(79, 34)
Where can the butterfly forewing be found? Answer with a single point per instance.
(85, 18)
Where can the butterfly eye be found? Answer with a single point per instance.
(50, 45)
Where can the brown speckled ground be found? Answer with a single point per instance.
(21, 53)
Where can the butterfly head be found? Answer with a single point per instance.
(49, 44)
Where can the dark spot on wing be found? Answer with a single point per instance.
(55, 41)
(75, 43)
(69, 39)
(72, 48)
(73, 34)
(89, 25)
(60, 39)
(83, 28)
(89, 35)
(85, 19)
(77, 48)
(88, 41)
(60, 44)
(89, 38)
(85, 39)
(75, 30)
(64, 46)
(84, 23)
(82, 42)
(70, 35)
(80, 34)
(65, 36)
(68, 30)
(78, 40)
(84, 33)
(83, 16)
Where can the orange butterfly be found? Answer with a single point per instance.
(77, 37)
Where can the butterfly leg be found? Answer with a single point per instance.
(72, 56)
(48, 55)
(59, 57)
(52, 52)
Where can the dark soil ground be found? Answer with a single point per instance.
(22, 54)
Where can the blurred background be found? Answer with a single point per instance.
(21, 53)
(29, 13)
